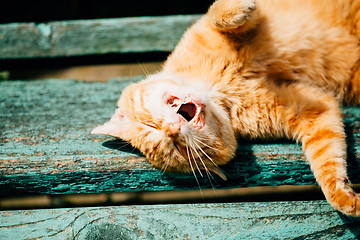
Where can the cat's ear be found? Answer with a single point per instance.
(114, 127)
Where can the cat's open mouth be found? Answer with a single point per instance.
(190, 110)
(187, 111)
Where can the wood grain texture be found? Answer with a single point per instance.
(46, 146)
(272, 220)
(84, 37)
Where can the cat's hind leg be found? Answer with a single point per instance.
(232, 15)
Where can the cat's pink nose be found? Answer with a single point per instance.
(171, 100)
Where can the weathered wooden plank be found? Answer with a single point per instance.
(45, 146)
(84, 37)
(268, 220)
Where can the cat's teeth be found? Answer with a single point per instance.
(198, 121)
(175, 102)
(178, 107)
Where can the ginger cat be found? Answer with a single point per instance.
(274, 68)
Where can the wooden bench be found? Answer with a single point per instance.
(50, 161)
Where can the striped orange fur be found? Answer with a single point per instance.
(282, 70)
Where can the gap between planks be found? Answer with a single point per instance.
(257, 194)
(90, 73)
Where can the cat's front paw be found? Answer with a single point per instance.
(343, 198)
(230, 14)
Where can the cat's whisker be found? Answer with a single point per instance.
(200, 137)
(145, 71)
(122, 146)
(148, 124)
(200, 158)
(192, 169)
(163, 168)
(208, 173)
(125, 145)
(206, 145)
(167, 162)
(193, 149)
(206, 154)
(206, 168)
(209, 177)
(197, 166)
(133, 149)
(200, 140)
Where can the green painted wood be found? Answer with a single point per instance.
(269, 220)
(84, 37)
(46, 146)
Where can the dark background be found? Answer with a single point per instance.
(52, 10)
(39, 11)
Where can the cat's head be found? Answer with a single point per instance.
(179, 125)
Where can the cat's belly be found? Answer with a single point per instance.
(310, 44)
